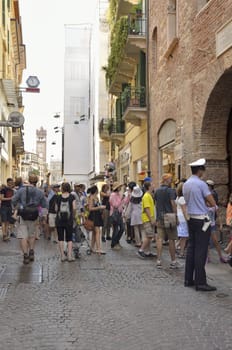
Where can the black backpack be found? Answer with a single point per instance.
(30, 212)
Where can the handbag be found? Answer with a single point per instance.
(115, 217)
(89, 225)
(170, 220)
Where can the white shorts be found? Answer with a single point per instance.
(51, 220)
(182, 229)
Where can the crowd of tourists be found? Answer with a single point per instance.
(186, 217)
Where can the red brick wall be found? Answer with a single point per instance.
(181, 86)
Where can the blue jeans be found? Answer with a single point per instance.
(118, 229)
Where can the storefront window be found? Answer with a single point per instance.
(167, 136)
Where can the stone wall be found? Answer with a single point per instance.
(192, 86)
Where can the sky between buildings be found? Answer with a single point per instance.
(43, 24)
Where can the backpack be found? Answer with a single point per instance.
(30, 212)
(64, 210)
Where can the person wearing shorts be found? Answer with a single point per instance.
(165, 198)
(52, 200)
(26, 228)
(148, 220)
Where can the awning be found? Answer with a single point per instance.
(10, 92)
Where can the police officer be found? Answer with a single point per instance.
(197, 196)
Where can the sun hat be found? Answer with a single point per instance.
(210, 182)
(116, 185)
(166, 177)
(137, 192)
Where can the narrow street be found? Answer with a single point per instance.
(117, 301)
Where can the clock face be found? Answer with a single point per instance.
(33, 81)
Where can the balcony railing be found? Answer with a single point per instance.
(137, 25)
(116, 126)
(133, 97)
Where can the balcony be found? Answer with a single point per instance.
(117, 130)
(136, 40)
(125, 7)
(133, 102)
(124, 67)
(104, 129)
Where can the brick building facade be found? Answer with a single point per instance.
(190, 79)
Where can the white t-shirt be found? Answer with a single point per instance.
(180, 201)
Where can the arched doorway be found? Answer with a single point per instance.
(215, 134)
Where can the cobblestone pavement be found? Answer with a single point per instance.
(117, 301)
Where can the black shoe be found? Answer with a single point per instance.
(205, 288)
(151, 255)
(108, 238)
(189, 283)
(141, 255)
(103, 239)
(26, 259)
(31, 255)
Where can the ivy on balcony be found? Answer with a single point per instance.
(118, 40)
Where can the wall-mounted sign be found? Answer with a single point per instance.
(33, 81)
(16, 119)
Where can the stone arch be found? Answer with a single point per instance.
(216, 132)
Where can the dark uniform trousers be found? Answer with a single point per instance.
(197, 252)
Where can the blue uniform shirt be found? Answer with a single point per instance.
(195, 191)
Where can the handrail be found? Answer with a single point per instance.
(133, 97)
(137, 25)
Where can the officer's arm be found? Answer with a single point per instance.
(210, 201)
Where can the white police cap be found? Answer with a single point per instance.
(199, 162)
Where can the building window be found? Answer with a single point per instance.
(166, 137)
(154, 48)
(172, 22)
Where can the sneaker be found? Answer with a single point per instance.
(151, 255)
(31, 255)
(71, 259)
(63, 259)
(173, 265)
(116, 247)
(141, 254)
(158, 264)
(181, 256)
(26, 259)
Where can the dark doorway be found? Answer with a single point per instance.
(229, 149)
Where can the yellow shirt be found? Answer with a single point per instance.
(148, 202)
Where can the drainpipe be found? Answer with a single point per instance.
(148, 92)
